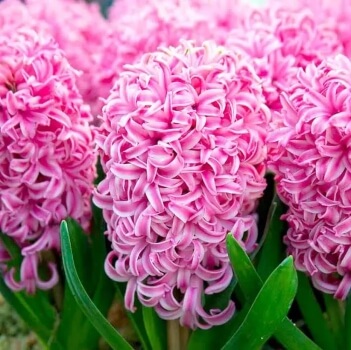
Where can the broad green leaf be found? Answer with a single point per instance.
(109, 334)
(156, 329)
(248, 279)
(313, 315)
(89, 253)
(292, 338)
(261, 321)
(136, 317)
(102, 288)
(271, 253)
(250, 283)
(72, 317)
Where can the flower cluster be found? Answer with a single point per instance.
(313, 173)
(182, 144)
(77, 29)
(279, 40)
(334, 13)
(13, 14)
(46, 154)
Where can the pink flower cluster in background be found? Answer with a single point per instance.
(141, 26)
(79, 29)
(76, 26)
(47, 164)
(182, 144)
(280, 40)
(313, 173)
(333, 13)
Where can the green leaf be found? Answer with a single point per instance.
(156, 329)
(102, 287)
(250, 283)
(272, 250)
(136, 317)
(29, 311)
(313, 315)
(89, 253)
(14, 251)
(72, 317)
(292, 338)
(35, 310)
(110, 335)
(335, 318)
(249, 280)
(261, 321)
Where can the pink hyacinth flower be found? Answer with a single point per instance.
(46, 154)
(76, 26)
(279, 40)
(313, 173)
(182, 144)
(335, 13)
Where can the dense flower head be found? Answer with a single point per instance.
(182, 143)
(313, 173)
(46, 152)
(280, 39)
(75, 25)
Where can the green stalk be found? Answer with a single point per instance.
(313, 314)
(348, 323)
(335, 318)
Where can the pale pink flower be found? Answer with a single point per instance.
(280, 39)
(313, 173)
(182, 144)
(46, 154)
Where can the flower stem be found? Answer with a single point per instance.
(184, 337)
(173, 335)
(348, 323)
(335, 318)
